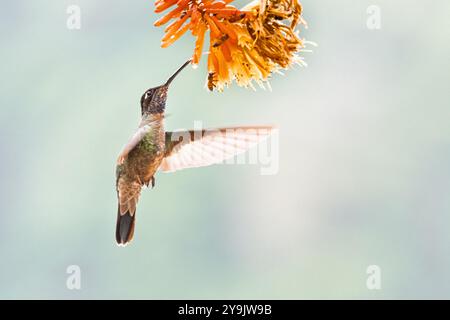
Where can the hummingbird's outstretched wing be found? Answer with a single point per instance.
(199, 148)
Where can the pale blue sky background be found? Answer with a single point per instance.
(364, 160)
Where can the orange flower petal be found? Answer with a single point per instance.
(199, 43)
(226, 51)
(176, 24)
(163, 5)
(223, 29)
(213, 28)
(168, 16)
(175, 37)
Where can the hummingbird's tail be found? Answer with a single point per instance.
(125, 227)
(127, 196)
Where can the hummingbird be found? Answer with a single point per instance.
(151, 148)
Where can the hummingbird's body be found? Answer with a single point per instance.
(152, 148)
(145, 158)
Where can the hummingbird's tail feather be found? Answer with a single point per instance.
(128, 197)
(125, 227)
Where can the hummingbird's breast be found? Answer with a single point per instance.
(145, 158)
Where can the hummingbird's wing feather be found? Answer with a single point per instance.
(132, 143)
(199, 148)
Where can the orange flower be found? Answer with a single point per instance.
(244, 45)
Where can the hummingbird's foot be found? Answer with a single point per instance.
(153, 182)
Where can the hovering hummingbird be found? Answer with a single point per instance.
(152, 148)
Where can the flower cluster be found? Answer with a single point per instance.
(244, 45)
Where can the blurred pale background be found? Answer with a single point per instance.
(364, 172)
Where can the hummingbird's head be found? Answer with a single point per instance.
(154, 99)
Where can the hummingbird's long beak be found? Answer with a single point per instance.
(177, 72)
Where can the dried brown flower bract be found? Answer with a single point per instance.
(244, 45)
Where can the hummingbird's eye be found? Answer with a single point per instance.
(146, 97)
